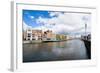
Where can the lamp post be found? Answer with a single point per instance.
(85, 22)
(85, 29)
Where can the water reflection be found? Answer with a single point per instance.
(66, 50)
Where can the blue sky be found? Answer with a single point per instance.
(30, 16)
(59, 22)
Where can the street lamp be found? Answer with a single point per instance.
(85, 22)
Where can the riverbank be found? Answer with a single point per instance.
(88, 48)
(33, 41)
(42, 41)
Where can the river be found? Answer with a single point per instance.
(53, 51)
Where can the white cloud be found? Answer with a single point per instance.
(41, 28)
(65, 22)
(32, 17)
(54, 13)
(25, 26)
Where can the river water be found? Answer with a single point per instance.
(53, 51)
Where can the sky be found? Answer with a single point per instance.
(59, 22)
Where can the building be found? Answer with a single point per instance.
(68, 37)
(78, 36)
(24, 35)
(32, 34)
(42, 35)
(49, 35)
(37, 34)
(29, 34)
(61, 37)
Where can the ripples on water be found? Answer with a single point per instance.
(66, 50)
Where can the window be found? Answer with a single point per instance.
(29, 35)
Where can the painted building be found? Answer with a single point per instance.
(32, 34)
(61, 37)
(29, 34)
(36, 34)
(42, 35)
(49, 35)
